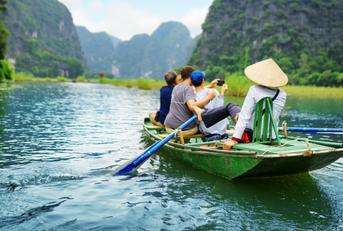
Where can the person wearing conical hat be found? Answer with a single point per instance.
(268, 77)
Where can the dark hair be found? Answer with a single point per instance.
(186, 72)
(196, 84)
(170, 78)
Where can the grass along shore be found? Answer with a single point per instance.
(238, 86)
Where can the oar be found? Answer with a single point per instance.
(314, 130)
(135, 163)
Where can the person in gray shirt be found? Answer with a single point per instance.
(183, 103)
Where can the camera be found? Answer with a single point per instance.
(220, 82)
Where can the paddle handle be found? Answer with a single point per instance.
(155, 147)
(314, 130)
(140, 159)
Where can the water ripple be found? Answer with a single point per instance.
(7, 222)
(62, 142)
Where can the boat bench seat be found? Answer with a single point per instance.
(182, 139)
(152, 126)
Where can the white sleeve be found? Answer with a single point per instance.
(220, 99)
(245, 115)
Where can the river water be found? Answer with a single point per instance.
(60, 142)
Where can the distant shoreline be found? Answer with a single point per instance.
(236, 88)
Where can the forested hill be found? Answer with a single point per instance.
(98, 49)
(170, 46)
(305, 37)
(43, 38)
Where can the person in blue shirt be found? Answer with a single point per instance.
(158, 117)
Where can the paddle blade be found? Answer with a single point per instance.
(126, 169)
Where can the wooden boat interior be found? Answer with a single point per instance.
(286, 146)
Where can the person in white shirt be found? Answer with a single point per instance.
(217, 131)
(268, 77)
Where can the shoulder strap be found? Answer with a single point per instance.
(276, 94)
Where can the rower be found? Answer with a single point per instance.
(268, 77)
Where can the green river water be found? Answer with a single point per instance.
(59, 144)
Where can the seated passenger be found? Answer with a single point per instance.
(184, 105)
(268, 77)
(218, 130)
(158, 117)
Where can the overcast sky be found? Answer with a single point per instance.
(124, 19)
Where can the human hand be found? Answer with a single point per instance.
(229, 144)
(224, 89)
(198, 111)
(236, 118)
(213, 84)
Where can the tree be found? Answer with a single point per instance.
(3, 5)
(3, 32)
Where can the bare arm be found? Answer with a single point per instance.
(201, 103)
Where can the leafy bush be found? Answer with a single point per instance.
(214, 72)
(6, 71)
(3, 40)
(82, 79)
(238, 84)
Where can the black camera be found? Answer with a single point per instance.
(220, 82)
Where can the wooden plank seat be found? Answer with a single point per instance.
(182, 138)
(153, 127)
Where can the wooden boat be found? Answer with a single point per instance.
(293, 155)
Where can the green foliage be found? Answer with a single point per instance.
(315, 92)
(42, 63)
(238, 84)
(214, 72)
(3, 32)
(143, 84)
(6, 71)
(28, 77)
(3, 5)
(239, 33)
(43, 38)
(3, 40)
(82, 79)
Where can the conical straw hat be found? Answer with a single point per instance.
(266, 73)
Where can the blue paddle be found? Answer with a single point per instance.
(314, 130)
(135, 163)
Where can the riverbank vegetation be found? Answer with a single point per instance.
(26, 77)
(238, 85)
(144, 84)
(6, 71)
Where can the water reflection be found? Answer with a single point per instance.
(60, 143)
(296, 202)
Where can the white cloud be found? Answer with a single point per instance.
(124, 20)
(194, 19)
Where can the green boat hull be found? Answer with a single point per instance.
(250, 160)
